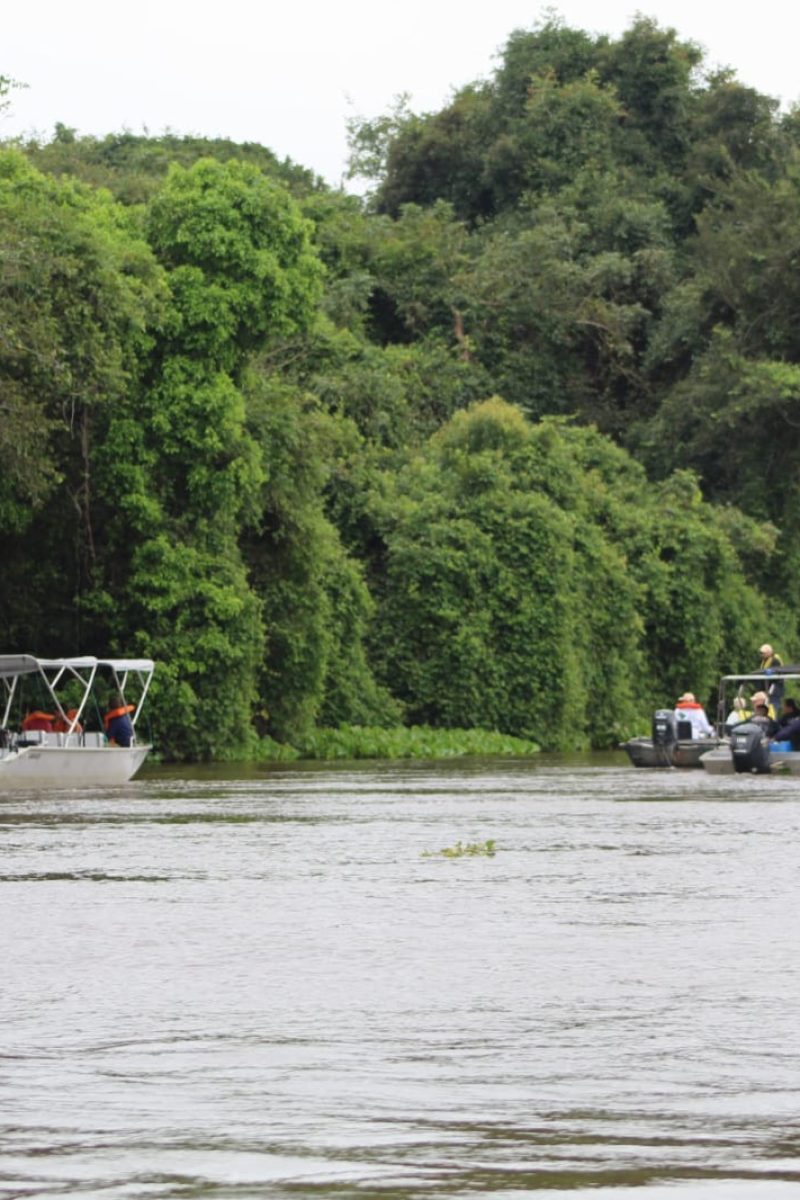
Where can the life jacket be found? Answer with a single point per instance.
(41, 721)
(113, 713)
(63, 726)
(689, 704)
(774, 660)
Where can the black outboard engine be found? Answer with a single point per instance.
(749, 749)
(665, 728)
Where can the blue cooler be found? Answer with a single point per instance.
(783, 747)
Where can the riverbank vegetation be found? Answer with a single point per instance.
(397, 742)
(510, 444)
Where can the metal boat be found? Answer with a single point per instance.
(644, 752)
(70, 758)
(775, 758)
(781, 762)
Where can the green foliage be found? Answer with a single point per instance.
(130, 371)
(7, 85)
(482, 552)
(238, 251)
(77, 287)
(465, 850)
(314, 593)
(238, 260)
(423, 742)
(80, 294)
(560, 101)
(133, 166)
(533, 582)
(262, 749)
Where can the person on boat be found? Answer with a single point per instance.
(43, 722)
(688, 709)
(789, 724)
(760, 702)
(739, 713)
(769, 662)
(64, 724)
(769, 659)
(117, 722)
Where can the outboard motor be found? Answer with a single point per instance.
(749, 749)
(665, 728)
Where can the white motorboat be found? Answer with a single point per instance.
(66, 756)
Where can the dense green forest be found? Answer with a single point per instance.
(510, 443)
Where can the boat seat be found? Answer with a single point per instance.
(685, 731)
(32, 737)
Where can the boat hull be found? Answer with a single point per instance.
(781, 762)
(686, 754)
(70, 766)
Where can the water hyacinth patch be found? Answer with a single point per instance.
(464, 850)
(418, 742)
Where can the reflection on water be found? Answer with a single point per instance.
(253, 983)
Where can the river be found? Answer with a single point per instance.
(255, 983)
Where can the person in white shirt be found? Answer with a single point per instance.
(687, 709)
(740, 712)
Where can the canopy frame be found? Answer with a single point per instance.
(763, 678)
(52, 671)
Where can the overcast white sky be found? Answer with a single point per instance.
(288, 73)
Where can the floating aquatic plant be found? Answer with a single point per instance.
(464, 850)
(352, 741)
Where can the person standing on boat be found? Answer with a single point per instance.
(118, 723)
(688, 709)
(770, 661)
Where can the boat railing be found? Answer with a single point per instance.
(42, 737)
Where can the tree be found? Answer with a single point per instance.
(533, 583)
(318, 604)
(79, 293)
(240, 267)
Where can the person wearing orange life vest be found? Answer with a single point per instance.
(118, 723)
(687, 709)
(60, 725)
(43, 722)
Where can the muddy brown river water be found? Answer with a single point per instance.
(252, 983)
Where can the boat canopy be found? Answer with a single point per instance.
(27, 664)
(17, 664)
(82, 669)
(761, 678)
(774, 676)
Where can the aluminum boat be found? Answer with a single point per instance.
(774, 758)
(686, 752)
